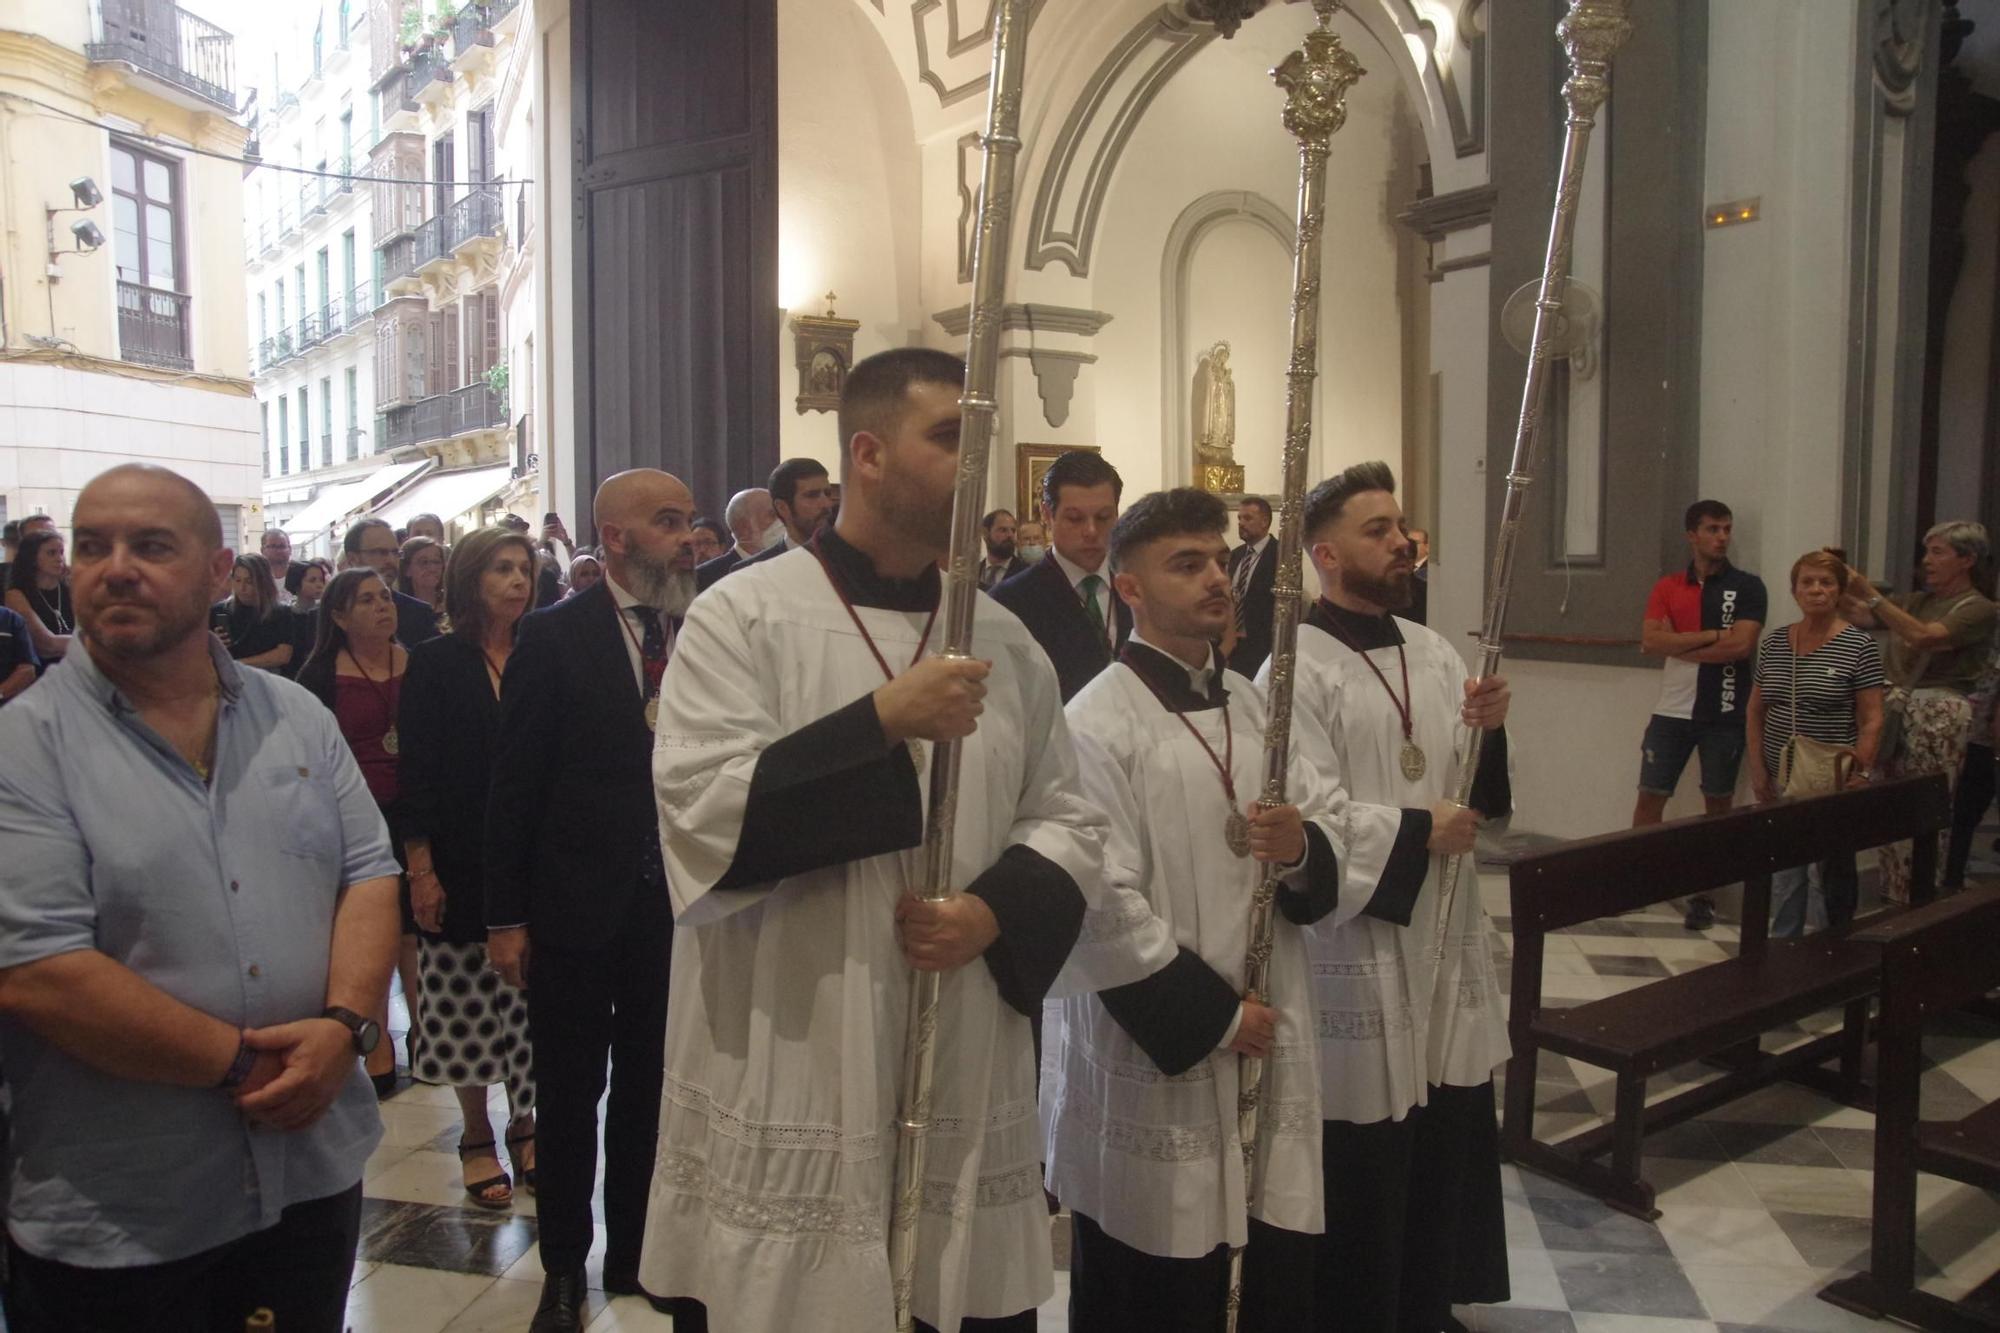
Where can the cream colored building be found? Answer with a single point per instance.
(134, 349)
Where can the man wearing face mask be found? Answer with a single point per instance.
(576, 901)
(802, 500)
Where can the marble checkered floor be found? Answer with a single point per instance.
(1765, 1200)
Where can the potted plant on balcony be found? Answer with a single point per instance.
(496, 382)
(409, 30)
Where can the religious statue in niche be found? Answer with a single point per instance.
(824, 348)
(1214, 419)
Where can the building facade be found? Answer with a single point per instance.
(122, 334)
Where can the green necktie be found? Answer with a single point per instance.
(1091, 583)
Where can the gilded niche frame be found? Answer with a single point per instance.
(1031, 461)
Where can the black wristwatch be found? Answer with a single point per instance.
(367, 1032)
(239, 1068)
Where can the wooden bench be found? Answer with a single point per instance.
(1718, 1012)
(1934, 959)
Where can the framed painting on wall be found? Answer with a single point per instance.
(1030, 462)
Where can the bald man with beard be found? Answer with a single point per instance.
(576, 904)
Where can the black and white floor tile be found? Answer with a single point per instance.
(1765, 1200)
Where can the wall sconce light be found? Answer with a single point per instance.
(88, 237)
(824, 347)
(1734, 213)
(86, 192)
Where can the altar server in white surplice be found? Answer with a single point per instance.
(793, 730)
(1140, 1086)
(1407, 1048)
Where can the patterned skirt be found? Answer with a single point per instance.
(1934, 736)
(471, 1027)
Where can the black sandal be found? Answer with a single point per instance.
(477, 1190)
(527, 1173)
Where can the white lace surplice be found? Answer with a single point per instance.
(1391, 1023)
(786, 1016)
(1152, 1158)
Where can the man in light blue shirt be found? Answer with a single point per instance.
(197, 903)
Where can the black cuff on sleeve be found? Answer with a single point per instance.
(833, 791)
(1403, 877)
(1321, 894)
(1492, 789)
(1178, 1015)
(1040, 911)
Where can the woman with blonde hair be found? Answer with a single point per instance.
(1937, 647)
(470, 1028)
(251, 620)
(1821, 680)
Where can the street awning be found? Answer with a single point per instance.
(449, 495)
(336, 502)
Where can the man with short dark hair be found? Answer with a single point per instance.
(1704, 620)
(748, 514)
(1067, 601)
(1171, 745)
(17, 532)
(1000, 563)
(1420, 578)
(801, 498)
(371, 544)
(1407, 1046)
(197, 906)
(710, 540)
(1253, 581)
(790, 803)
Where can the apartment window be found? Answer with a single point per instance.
(442, 367)
(263, 319)
(319, 46)
(479, 145)
(278, 301)
(326, 422)
(299, 274)
(349, 277)
(346, 140)
(482, 334)
(145, 214)
(345, 23)
(325, 268)
(305, 431)
(264, 427)
(284, 435)
(353, 414)
(442, 155)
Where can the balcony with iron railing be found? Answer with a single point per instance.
(188, 55)
(311, 332)
(476, 215)
(443, 416)
(347, 314)
(153, 327)
(471, 32)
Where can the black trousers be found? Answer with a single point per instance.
(1455, 1228)
(298, 1269)
(1114, 1288)
(585, 1005)
(1358, 1280)
(1970, 803)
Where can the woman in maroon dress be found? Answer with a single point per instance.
(356, 669)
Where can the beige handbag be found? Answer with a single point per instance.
(1807, 767)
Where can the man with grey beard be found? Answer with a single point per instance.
(576, 900)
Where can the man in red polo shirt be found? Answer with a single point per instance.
(1704, 620)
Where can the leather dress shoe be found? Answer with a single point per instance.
(563, 1298)
(625, 1282)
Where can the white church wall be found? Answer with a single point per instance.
(849, 214)
(1216, 127)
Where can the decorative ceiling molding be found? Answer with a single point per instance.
(1028, 315)
(1063, 225)
(948, 47)
(1055, 378)
(1176, 347)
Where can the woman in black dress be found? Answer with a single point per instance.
(38, 591)
(250, 620)
(471, 1028)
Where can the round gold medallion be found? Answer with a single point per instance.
(1236, 833)
(1414, 763)
(391, 744)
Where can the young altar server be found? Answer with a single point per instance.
(797, 717)
(1407, 1048)
(1141, 1071)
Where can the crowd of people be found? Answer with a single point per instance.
(643, 819)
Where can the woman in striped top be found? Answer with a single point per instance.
(1822, 679)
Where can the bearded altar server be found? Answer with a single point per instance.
(796, 720)
(1140, 1093)
(1407, 1047)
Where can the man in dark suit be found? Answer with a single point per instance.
(1001, 563)
(576, 899)
(1067, 601)
(1253, 576)
(371, 544)
(1420, 580)
(803, 498)
(748, 514)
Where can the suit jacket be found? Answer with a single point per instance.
(446, 717)
(1259, 606)
(1015, 564)
(415, 622)
(1048, 605)
(1419, 609)
(772, 552)
(708, 571)
(571, 806)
